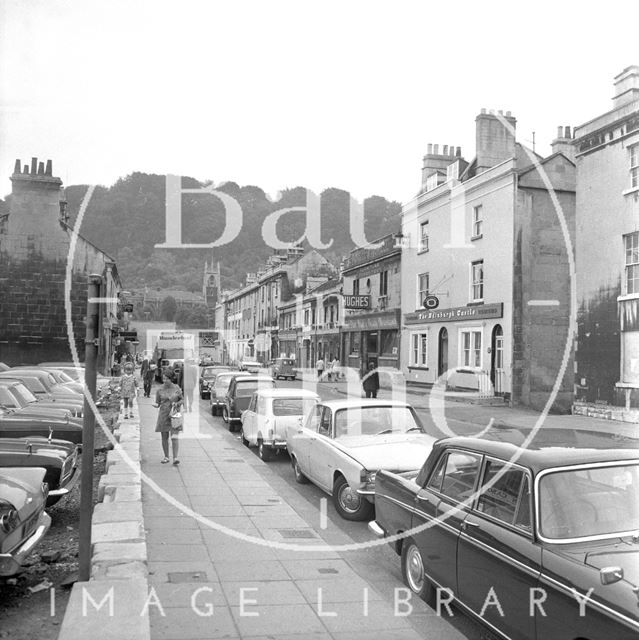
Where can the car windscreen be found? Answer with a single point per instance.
(292, 406)
(209, 372)
(598, 500)
(7, 399)
(23, 394)
(222, 383)
(362, 421)
(245, 388)
(64, 377)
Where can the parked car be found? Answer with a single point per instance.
(207, 377)
(58, 457)
(15, 426)
(41, 389)
(17, 399)
(252, 366)
(554, 518)
(219, 387)
(342, 444)
(270, 413)
(239, 395)
(283, 368)
(23, 520)
(51, 388)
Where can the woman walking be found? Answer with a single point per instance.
(167, 396)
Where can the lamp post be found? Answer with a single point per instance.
(88, 427)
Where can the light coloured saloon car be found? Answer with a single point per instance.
(342, 444)
(270, 413)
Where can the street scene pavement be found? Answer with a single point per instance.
(237, 549)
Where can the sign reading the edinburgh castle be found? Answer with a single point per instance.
(456, 313)
(357, 302)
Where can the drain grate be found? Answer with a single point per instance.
(187, 576)
(297, 533)
(327, 570)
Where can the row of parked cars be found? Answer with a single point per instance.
(533, 533)
(41, 409)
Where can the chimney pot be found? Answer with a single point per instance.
(500, 112)
(567, 130)
(430, 148)
(41, 168)
(445, 151)
(458, 154)
(34, 166)
(560, 131)
(49, 170)
(26, 169)
(492, 112)
(508, 114)
(436, 149)
(18, 166)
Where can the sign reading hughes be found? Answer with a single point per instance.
(455, 313)
(357, 302)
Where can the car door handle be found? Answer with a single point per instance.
(465, 524)
(423, 499)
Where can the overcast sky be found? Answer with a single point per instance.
(279, 94)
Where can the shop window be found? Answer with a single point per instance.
(419, 349)
(389, 343)
(471, 348)
(632, 262)
(356, 287)
(354, 343)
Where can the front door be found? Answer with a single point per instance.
(442, 352)
(497, 360)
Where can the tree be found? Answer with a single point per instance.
(168, 309)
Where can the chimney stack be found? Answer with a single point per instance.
(434, 162)
(626, 86)
(564, 143)
(494, 138)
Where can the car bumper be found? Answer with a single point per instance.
(276, 444)
(68, 485)
(11, 563)
(376, 530)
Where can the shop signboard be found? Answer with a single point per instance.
(357, 302)
(454, 314)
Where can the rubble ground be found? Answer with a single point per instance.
(33, 603)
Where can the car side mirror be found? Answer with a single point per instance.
(610, 575)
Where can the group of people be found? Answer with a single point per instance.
(332, 371)
(370, 378)
(174, 395)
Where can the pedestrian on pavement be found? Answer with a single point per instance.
(335, 369)
(144, 367)
(319, 365)
(371, 381)
(147, 380)
(128, 389)
(168, 395)
(189, 382)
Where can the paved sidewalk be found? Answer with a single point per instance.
(212, 584)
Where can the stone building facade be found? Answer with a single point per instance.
(485, 269)
(607, 251)
(43, 274)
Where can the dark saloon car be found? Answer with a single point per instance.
(207, 377)
(538, 538)
(15, 426)
(239, 395)
(58, 457)
(23, 520)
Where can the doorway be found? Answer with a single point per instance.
(497, 359)
(442, 352)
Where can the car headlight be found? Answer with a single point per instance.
(367, 476)
(9, 519)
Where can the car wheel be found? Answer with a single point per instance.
(349, 504)
(300, 478)
(413, 571)
(245, 442)
(265, 452)
(225, 414)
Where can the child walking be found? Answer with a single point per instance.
(128, 389)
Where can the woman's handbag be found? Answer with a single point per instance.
(177, 420)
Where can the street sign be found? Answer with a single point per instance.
(128, 308)
(431, 302)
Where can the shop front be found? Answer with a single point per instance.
(371, 337)
(288, 345)
(466, 346)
